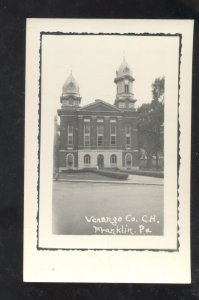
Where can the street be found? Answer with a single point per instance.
(105, 208)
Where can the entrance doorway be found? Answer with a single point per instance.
(128, 161)
(100, 161)
(69, 161)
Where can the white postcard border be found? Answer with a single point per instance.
(104, 266)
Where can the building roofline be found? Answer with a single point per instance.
(100, 101)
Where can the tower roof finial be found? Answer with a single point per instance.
(70, 85)
(124, 69)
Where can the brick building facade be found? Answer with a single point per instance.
(99, 134)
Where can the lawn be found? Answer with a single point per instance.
(103, 208)
(85, 176)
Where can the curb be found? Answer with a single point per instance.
(104, 181)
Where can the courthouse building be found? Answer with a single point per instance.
(98, 134)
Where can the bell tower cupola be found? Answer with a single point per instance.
(70, 97)
(124, 82)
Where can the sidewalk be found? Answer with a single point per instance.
(146, 179)
(132, 179)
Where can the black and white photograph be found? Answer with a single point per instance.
(108, 172)
(106, 112)
(108, 144)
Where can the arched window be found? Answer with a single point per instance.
(126, 86)
(87, 160)
(113, 160)
(128, 160)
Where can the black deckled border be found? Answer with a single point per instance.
(178, 135)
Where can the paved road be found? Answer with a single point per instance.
(83, 208)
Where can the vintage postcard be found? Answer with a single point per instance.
(107, 150)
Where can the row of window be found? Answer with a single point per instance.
(113, 159)
(99, 120)
(100, 135)
(100, 160)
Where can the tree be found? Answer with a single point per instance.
(158, 89)
(151, 118)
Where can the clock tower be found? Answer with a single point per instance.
(124, 81)
(70, 97)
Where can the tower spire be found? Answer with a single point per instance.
(70, 92)
(124, 81)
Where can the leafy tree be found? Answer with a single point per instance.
(151, 118)
(158, 89)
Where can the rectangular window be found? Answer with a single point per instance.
(86, 135)
(86, 129)
(113, 135)
(100, 140)
(100, 130)
(70, 135)
(113, 140)
(100, 135)
(113, 129)
(128, 136)
(128, 140)
(70, 129)
(86, 140)
(70, 140)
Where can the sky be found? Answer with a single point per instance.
(95, 59)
